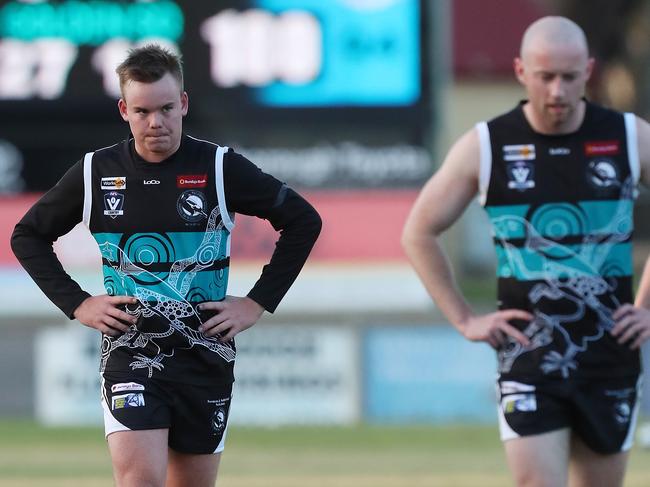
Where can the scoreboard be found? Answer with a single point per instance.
(322, 93)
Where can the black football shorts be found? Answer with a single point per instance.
(196, 415)
(602, 412)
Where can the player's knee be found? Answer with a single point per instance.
(138, 477)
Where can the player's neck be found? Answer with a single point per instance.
(545, 126)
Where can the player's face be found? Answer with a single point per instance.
(155, 114)
(555, 79)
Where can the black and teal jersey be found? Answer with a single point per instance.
(561, 209)
(163, 231)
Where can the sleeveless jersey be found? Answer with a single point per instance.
(163, 231)
(561, 207)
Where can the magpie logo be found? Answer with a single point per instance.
(191, 206)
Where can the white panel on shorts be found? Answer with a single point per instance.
(632, 146)
(485, 168)
(506, 432)
(111, 425)
(222, 443)
(88, 190)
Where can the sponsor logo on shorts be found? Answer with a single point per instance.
(511, 386)
(218, 421)
(602, 148)
(192, 181)
(127, 386)
(524, 403)
(132, 400)
(220, 415)
(521, 152)
(622, 412)
(114, 204)
(113, 183)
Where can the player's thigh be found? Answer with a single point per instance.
(139, 457)
(191, 469)
(588, 468)
(200, 418)
(539, 460)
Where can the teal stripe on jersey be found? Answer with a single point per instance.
(147, 286)
(187, 253)
(559, 220)
(560, 261)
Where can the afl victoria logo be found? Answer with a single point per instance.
(191, 206)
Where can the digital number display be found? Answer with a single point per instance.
(281, 74)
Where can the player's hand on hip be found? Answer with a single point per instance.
(234, 315)
(632, 325)
(494, 328)
(101, 313)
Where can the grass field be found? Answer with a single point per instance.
(364, 456)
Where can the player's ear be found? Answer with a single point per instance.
(184, 103)
(121, 106)
(590, 67)
(518, 66)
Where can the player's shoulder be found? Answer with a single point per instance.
(599, 114)
(117, 148)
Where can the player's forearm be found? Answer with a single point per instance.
(434, 270)
(643, 293)
(41, 263)
(299, 225)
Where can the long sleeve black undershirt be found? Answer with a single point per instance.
(248, 191)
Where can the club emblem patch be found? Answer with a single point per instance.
(602, 173)
(521, 175)
(191, 206)
(113, 204)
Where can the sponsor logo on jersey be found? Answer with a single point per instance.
(192, 181)
(559, 151)
(123, 401)
(113, 204)
(127, 386)
(191, 206)
(602, 148)
(114, 183)
(148, 182)
(521, 152)
(602, 173)
(524, 403)
(520, 175)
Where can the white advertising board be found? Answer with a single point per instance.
(297, 375)
(284, 375)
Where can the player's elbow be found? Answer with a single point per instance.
(16, 240)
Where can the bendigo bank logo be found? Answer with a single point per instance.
(192, 181)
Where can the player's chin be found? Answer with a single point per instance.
(158, 144)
